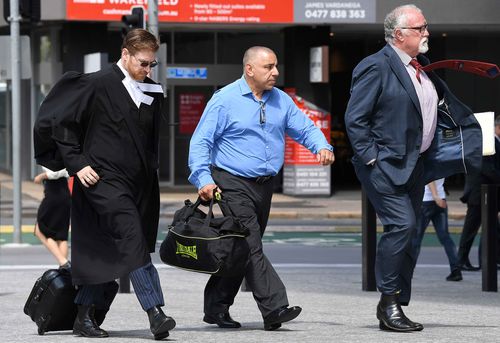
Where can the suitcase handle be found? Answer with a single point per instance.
(39, 294)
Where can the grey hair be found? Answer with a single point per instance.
(396, 18)
(497, 120)
(252, 52)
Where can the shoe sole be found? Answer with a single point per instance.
(291, 316)
(209, 320)
(384, 327)
(82, 334)
(272, 327)
(165, 327)
(161, 336)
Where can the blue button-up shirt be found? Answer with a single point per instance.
(232, 135)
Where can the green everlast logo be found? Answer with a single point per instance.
(186, 250)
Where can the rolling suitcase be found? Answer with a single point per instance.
(51, 301)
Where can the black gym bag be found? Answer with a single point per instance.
(198, 242)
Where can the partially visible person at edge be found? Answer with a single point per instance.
(435, 209)
(52, 219)
(391, 120)
(237, 149)
(490, 174)
(106, 130)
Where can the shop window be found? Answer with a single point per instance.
(232, 45)
(194, 47)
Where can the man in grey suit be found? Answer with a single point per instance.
(391, 121)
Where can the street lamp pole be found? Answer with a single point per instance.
(153, 28)
(15, 49)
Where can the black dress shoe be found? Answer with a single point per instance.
(223, 320)
(391, 315)
(456, 275)
(284, 314)
(159, 323)
(467, 266)
(85, 324)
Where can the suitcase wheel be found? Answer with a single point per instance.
(41, 331)
(42, 323)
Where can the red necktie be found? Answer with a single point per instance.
(417, 67)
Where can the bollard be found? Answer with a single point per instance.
(369, 243)
(489, 220)
(124, 284)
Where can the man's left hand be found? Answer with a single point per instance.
(325, 157)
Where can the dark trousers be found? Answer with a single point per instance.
(146, 284)
(439, 217)
(472, 222)
(397, 208)
(250, 202)
(100, 295)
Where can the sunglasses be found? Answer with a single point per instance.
(262, 112)
(421, 29)
(145, 64)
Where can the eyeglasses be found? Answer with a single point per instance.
(421, 29)
(145, 64)
(262, 112)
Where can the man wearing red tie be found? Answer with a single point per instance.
(391, 121)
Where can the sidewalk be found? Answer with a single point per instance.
(335, 310)
(344, 204)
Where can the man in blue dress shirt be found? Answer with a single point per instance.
(237, 148)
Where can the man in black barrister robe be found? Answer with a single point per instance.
(103, 127)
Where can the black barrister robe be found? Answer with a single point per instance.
(90, 119)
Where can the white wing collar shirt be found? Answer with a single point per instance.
(246, 136)
(135, 89)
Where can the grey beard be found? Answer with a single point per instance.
(423, 47)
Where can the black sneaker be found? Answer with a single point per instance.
(66, 266)
(455, 275)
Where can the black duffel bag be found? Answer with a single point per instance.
(198, 242)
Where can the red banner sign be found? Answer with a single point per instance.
(294, 152)
(187, 11)
(191, 107)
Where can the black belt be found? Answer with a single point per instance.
(262, 179)
(259, 179)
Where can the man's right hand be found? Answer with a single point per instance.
(87, 176)
(207, 192)
(40, 177)
(440, 202)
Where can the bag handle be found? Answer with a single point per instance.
(215, 198)
(191, 208)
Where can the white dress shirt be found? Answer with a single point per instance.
(427, 97)
(54, 175)
(440, 190)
